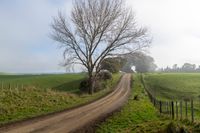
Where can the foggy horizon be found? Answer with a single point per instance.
(25, 45)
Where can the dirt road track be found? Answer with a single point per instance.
(76, 118)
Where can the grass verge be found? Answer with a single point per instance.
(138, 116)
(31, 101)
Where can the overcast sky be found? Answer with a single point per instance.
(25, 45)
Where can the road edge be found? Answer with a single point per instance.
(93, 125)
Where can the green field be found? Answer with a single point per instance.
(138, 116)
(174, 85)
(26, 96)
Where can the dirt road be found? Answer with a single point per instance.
(76, 118)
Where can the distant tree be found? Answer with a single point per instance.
(175, 67)
(141, 61)
(113, 64)
(127, 67)
(198, 69)
(100, 29)
(168, 69)
(187, 67)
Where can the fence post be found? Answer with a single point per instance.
(172, 109)
(160, 106)
(2, 85)
(167, 108)
(192, 110)
(176, 110)
(154, 102)
(9, 87)
(181, 110)
(186, 110)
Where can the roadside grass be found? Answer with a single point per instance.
(136, 116)
(139, 116)
(27, 96)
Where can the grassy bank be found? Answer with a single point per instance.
(137, 116)
(26, 96)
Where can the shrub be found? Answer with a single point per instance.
(102, 76)
(105, 75)
(84, 85)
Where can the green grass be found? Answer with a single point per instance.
(26, 96)
(61, 82)
(137, 116)
(174, 85)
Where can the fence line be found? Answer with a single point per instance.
(171, 108)
(10, 86)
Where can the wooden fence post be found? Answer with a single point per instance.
(160, 103)
(181, 110)
(172, 104)
(170, 109)
(167, 107)
(186, 110)
(2, 85)
(192, 110)
(176, 110)
(9, 87)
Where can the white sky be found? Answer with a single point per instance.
(175, 27)
(26, 47)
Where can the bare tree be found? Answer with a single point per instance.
(98, 29)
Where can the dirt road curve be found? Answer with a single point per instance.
(71, 120)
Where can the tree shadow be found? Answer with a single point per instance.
(72, 87)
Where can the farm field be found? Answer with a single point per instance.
(174, 85)
(26, 96)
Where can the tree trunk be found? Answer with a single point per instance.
(91, 82)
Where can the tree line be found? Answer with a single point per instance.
(141, 62)
(186, 67)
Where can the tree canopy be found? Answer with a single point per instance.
(141, 61)
(113, 64)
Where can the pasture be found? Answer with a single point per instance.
(26, 96)
(176, 86)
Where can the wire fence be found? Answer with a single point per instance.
(179, 110)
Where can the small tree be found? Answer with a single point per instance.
(113, 64)
(98, 29)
